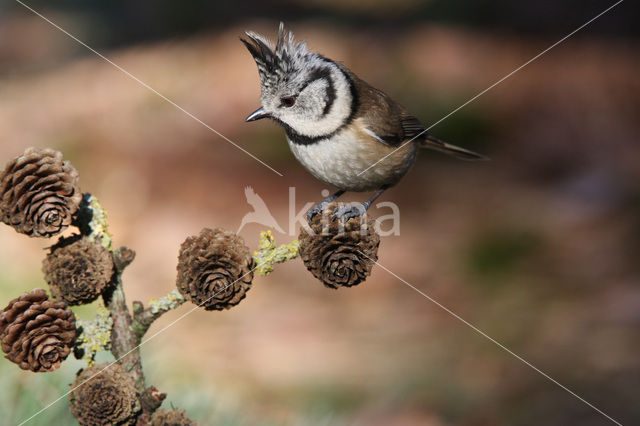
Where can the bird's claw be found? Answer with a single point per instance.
(342, 212)
(314, 211)
(348, 212)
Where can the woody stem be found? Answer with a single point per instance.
(124, 341)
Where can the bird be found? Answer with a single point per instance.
(345, 132)
(260, 213)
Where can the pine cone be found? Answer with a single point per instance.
(339, 257)
(78, 270)
(37, 333)
(39, 193)
(215, 269)
(109, 398)
(174, 417)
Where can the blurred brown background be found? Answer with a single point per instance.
(539, 248)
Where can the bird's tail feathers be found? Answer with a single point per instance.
(434, 143)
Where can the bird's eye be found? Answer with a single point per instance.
(288, 101)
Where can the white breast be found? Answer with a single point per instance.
(341, 160)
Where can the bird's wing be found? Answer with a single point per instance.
(396, 126)
(387, 121)
(391, 124)
(411, 126)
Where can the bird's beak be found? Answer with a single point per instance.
(257, 115)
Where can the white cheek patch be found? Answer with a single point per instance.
(312, 100)
(313, 123)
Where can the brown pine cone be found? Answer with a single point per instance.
(215, 269)
(78, 270)
(37, 333)
(39, 193)
(174, 417)
(106, 397)
(339, 257)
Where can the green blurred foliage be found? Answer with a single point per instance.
(499, 253)
(469, 127)
(326, 399)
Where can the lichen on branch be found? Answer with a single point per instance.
(95, 335)
(166, 303)
(268, 253)
(144, 317)
(92, 221)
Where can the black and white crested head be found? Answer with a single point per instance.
(276, 64)
(310, 95)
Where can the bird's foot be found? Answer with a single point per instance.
(314, 211)
(318, 208)
(348, 212)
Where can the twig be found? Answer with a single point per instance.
(123, 339)
(150, 400)
(144, 317)
(268, 253)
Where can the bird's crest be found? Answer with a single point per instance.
(274, 64)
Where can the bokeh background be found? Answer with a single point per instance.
(539, 247)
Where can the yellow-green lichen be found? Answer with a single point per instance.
(268, 253)
(166, 303)
(98, 224)
(95, 335)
